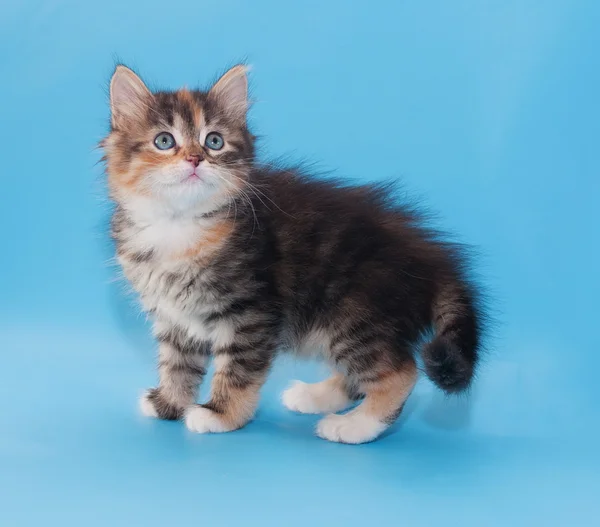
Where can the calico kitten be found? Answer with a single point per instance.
(235, 261)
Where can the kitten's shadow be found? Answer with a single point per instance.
(437, 410)
(449, 413)
(445, 412)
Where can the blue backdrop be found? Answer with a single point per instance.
(487, 109)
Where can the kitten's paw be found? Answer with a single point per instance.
(147, 406)
(153, 404)
(315, 398)
(354, 427)
(203, 420)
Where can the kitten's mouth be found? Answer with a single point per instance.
(192, 177)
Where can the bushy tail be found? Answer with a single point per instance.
(451, 357)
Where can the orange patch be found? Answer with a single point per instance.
(146, 159)
(185, 96)
(387, 395)
(132, 177)
(150, 158)
(210, 242)
(236, 404)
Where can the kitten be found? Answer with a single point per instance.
(234, 261)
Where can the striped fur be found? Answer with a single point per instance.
(244, 260)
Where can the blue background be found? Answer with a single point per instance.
(487, 109)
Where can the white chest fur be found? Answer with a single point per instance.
(174, 288)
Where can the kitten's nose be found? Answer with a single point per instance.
(195, 159)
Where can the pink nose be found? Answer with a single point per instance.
(195, 159)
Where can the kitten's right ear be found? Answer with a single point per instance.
(232, 90)
(129, 96)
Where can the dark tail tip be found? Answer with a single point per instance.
(446, 365)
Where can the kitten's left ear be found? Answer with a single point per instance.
(232, 91)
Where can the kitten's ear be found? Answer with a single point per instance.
(128, 96)
(232, 91)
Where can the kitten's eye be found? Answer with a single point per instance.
(164, 141)
(214, 141)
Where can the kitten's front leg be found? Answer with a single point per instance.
(181, 366)
(240, 371)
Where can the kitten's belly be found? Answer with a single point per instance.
(314, 344)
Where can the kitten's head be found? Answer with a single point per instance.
(181, 150)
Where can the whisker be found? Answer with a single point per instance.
(256, 190)
(247, 199)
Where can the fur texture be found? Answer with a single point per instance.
(235, 261)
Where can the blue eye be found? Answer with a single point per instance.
(214, 141)
(164, 141)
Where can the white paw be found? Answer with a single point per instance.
(202, 420)
(298, 398)
(353, 427)
(316, 398)
(147, 406)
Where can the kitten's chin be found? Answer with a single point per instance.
(192, 195)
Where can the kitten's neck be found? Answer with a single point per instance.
(143, 210)
(166, 230)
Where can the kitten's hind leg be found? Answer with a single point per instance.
(331, 395)
(385, 394)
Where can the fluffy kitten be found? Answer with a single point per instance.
(234, 261)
